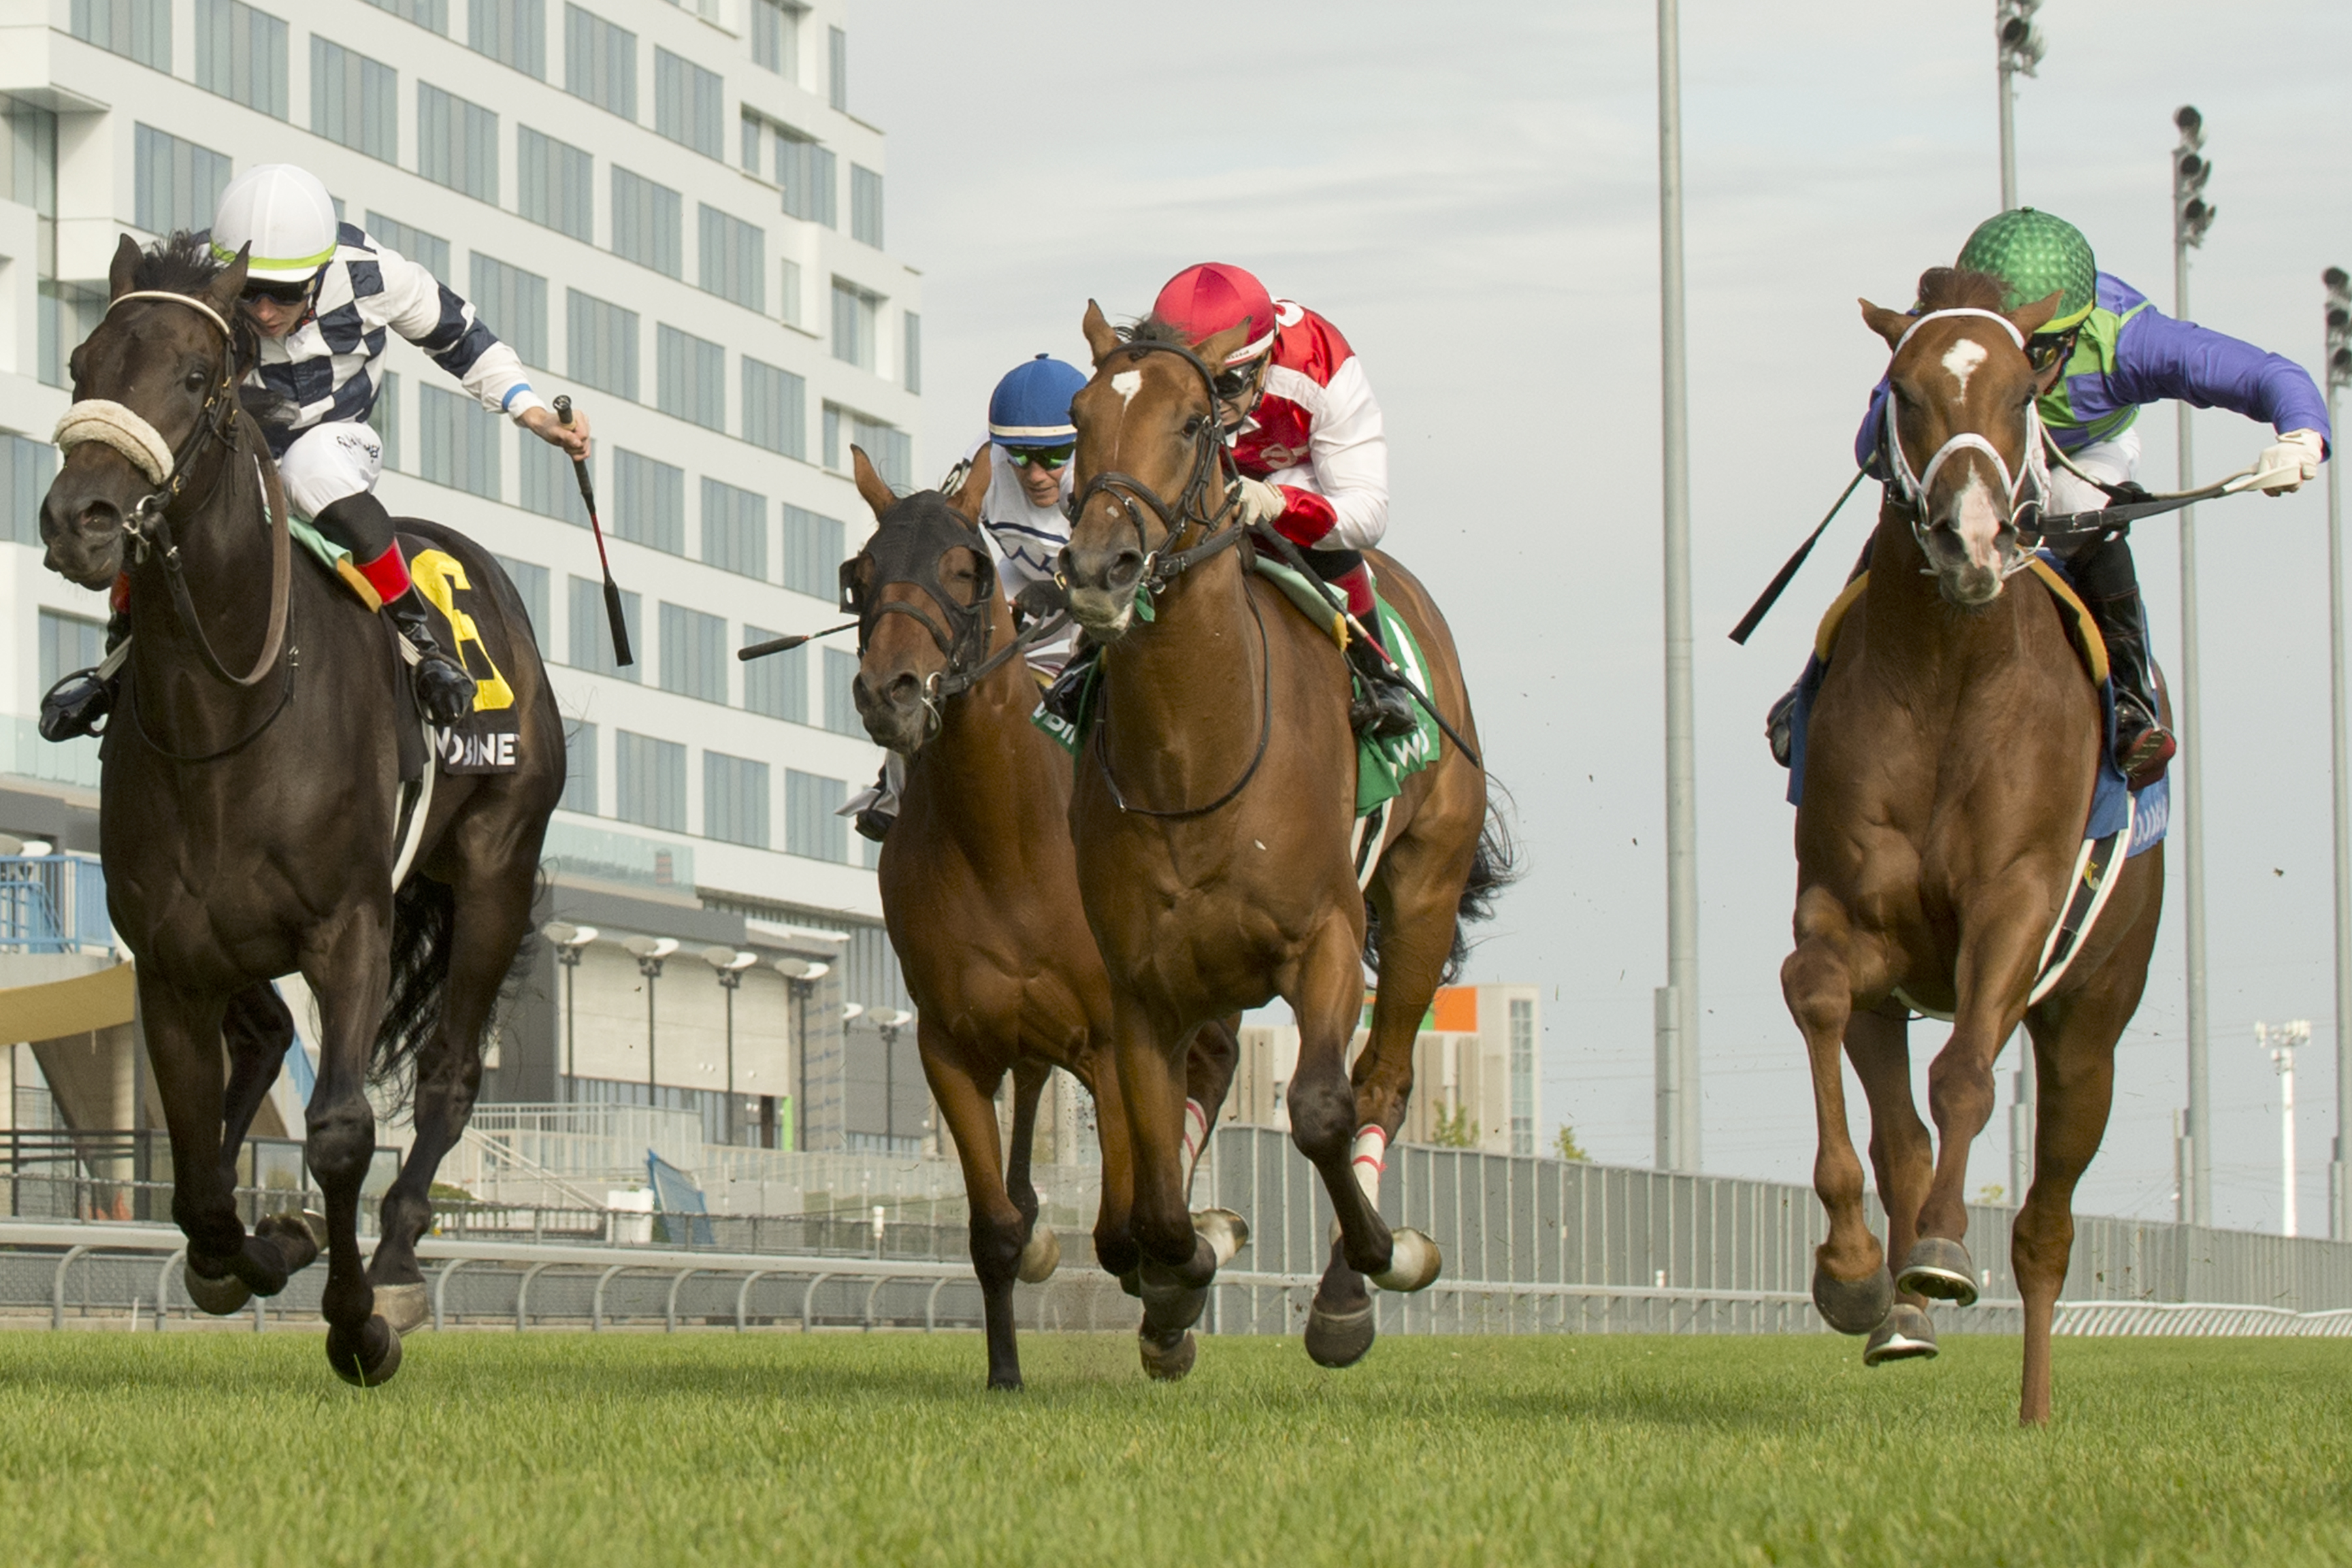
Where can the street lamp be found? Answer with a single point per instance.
(571, 941)
(729, 965)
(2192, 215)
(2281, 1042)
(890, 1020)
(650, 952)
(2018, 46)
(2339, 375)
(801, 975)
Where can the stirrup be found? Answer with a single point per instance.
(1781, 727)
(1384, 712)
(446, 695)
(874, 822)
(2144, 756)
(73, 708)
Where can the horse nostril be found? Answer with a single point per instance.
(1125, 568)
(905, 691)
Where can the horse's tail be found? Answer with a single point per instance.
(1493, 866)
(424, 914)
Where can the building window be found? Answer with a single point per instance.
(175, 184)
(429, 251)
(550, 486)
(241, 54)
(555, 184)
(383, 417)
(67, 313)
(26, 467)
(814, 548)
(840, 706)
(776, 684)
(837, 68)
(775, 409)
(735, 799)
(649, 501)
(648, 781)
(891, 448)
(804, 170)
(511, 32)
(811, 828)
(689, 104)
(579, 761)
(531, 586)
(734, 529)
(433, 13)
(512, 303)
(353, 100)
(733, 257)
(591, 639)
(691, 377)
(600, 62)
(776, 37)
(914, 345)
(458, 441)
(602, 343)
(856, 312)
(457, 143)
(136, 30)
(865, 206)
(693, 653)
(68, 643)
(647, 224)
(794, 310)
(28, 156)
(1523, 1076)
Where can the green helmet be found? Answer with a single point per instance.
(2036, 255)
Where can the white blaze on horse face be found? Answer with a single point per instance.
(1976, 517)
(1127, 384)
(1962, 359)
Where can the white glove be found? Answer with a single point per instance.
(2299, 453)
(1262, 502)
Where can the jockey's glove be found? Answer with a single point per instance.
(2294, 458)
(1261, 503)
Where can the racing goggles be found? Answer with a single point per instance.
(2046, 349)
(1048, 458)
(1233, 383)
(282, 292)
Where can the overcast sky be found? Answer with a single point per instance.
(1470, 192)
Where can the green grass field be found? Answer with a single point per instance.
(711, 1449)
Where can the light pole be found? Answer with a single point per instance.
(801, 975)
(729, 965)
(2019, 48)
(2191, 216)
(890, 1020)
(571, 941)
(2281, 1042)
(1676, 1016)
(650, 952)
(2338, 375)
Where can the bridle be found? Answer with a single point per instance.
(1912, 487)
(148, 526)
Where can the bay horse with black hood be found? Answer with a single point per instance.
(249, 797)
(1949, 768)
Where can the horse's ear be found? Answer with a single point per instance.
(2031, 318)
(1101, 339)
(224, 291)
(1213, 351)
(122, 276)
(878, 494)
(1888, 324)
(966, 501)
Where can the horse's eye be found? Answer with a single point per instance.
(195, 380)
(1192, 425)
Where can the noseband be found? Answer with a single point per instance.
(910, 552)
(1212, 463)
(1912, 487)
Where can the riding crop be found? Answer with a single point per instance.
(1773, 590)
(620, 623)
(785, 644)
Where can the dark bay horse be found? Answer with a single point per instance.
(247, 819)
(980, 887)
(1948, 772)
(1214, 820)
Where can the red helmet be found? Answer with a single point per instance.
(1201, 301)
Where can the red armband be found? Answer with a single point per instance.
(1306, 518)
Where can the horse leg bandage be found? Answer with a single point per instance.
(1196, 1138)
(1369, 1160)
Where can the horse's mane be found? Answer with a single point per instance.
(1153, 329)
(183, 264)
(1954, 287)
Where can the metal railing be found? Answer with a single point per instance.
(53, 903)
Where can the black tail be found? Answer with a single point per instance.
(1493, 866)
(424, 912)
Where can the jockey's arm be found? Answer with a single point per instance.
(432, 315)
(2158, 357)
(1338, 499)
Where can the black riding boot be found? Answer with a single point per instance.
(1065, 699)
(1781, 718)
(1382, 708)
(76, 704)
(444, 689)
(2109, 588)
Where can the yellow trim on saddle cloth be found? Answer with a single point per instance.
(361, 589)
(2081, 629)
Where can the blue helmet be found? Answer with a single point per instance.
(1030, 406)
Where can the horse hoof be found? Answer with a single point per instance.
(1852, 1306)
(297, 1245)
(1940, 1268)
(1132, 1281)
(1039, 1256)
(1172, 1305)
(1166, 1363)
(1905, 1335)
(219, 1297)
(405, 1308)
(1226, 1232)
(1413, 1263)
(372, 1362)
(1338, 1339)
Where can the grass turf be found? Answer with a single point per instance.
(708, 1447)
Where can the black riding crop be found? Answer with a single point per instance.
(1771, 594)
(620, 623)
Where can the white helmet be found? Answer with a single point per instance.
(286, 215)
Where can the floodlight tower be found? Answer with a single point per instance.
(729, 965)
(2192, 215)
(649, 951)
(2281, 1042)
(570, 942)
(801, 975)
(2018, 47)
(2339, 375)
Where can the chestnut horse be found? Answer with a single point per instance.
(1948, 772)
(1215, 819)
(980, 888)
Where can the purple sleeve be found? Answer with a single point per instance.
(1865, 440)
(2158, 357)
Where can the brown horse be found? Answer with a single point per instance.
(1214, 820)
(980, 888)
(1951, 762)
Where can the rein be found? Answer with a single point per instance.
(962, 632)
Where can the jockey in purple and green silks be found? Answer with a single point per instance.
(2106, 353)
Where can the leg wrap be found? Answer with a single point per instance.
(1371, 1159)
